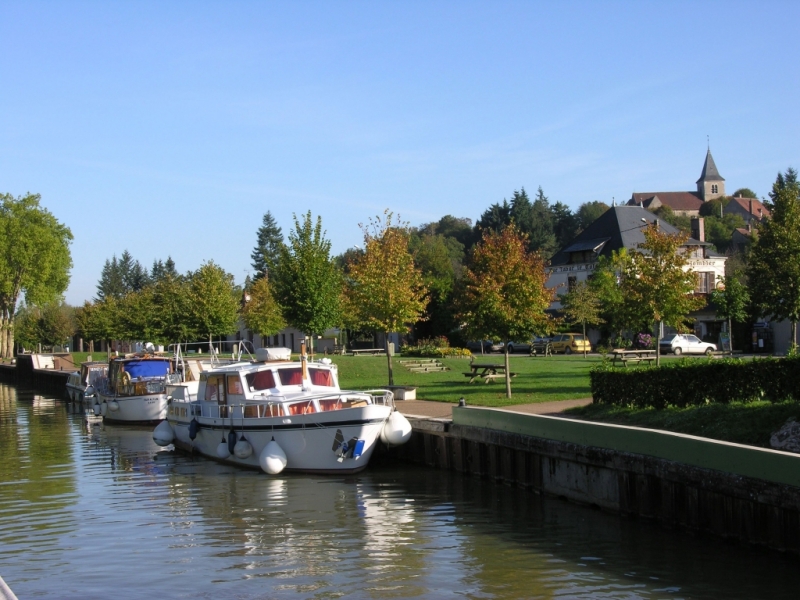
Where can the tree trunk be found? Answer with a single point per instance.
(584, 339)
(508, 373)
(388, 358)
(658, 343)
(793, 345)
(730, 334)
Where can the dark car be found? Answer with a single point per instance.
(487, 345)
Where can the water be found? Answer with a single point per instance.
(94, 511)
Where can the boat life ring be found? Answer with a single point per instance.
(125, 378)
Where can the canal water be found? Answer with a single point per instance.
(95, 511)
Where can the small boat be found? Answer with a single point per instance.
(273, 413)
(79, 381)
(134, 390)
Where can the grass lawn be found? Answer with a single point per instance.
(539, 379)
(749, 423)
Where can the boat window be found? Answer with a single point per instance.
(235, 385)
(321, 377)
(293, 376)
(262, 380)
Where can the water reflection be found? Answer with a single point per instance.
(137, 520)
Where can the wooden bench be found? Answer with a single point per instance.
(634, 360)
(542, 349)
(368, 351)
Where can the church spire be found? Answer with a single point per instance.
(711, 184)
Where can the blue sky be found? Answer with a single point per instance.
(170, 128)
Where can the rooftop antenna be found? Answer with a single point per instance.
(708, 142)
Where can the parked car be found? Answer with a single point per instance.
(519, 347)
(685, 344)
(570, 342)
(488, 346)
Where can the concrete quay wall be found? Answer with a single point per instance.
(726, 490)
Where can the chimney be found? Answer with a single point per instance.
(699, 229)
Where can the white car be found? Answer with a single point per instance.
(685, 344)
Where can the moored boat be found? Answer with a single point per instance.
(273, 413)
(79, 381)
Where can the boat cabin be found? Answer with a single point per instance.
(140, 375)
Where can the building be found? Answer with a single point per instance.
(622, 227)
(710, 185)
(750, 209)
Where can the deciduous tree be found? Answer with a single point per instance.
(307, 282)
(385, 290)
(504, 294)
(261, 312)
(582, 305)
(732, 301)
(214, 301)
(34, 259)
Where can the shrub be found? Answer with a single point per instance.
(436, 347)
(692, 382)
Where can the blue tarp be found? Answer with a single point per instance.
(147, 368)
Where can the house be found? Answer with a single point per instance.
(710, 185)
(750, 209)
(622, 227)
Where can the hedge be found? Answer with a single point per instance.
(692, 382)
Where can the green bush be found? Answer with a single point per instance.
(434, 348)
(693, 382)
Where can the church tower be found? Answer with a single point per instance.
(711, 184)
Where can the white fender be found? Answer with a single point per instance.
(113, 406)
(242, 449)
(163, 434)
(396, 430)
(222, 450)
(272, 458)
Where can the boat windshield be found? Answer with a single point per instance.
(321, 377)
(291, 376)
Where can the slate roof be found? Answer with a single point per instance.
(675, 200)
(710, 172)
(618, 227)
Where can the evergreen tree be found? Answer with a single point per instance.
(774, 262)
(267, 251)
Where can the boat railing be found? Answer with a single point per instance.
(238, 350)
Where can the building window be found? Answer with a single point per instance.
(714, 188)
(572, 281)
(705, 283)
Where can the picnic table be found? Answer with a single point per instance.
(369, 351)
(487, 372)
(633, 356)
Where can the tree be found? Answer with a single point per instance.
(504, 294)
(385, 290)
(162, 270)
(732, 301)
(214, 301)
(744, 193)
(34, 260)
(261, 313)
(582, 305)
(653, 281)
(589, 212)
(774, 262)
(268, 246)
(121, 277)
(307, 283)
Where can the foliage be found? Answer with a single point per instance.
(50, 325)
(744, 193)
(589, 212)
(214, 301)
(732, 302)
(582, 305)
(306, 282)
(644, 340)
(681, 222)
(34, 259)
(268, 246)
(261, 313)
(162, 270)
(653, 284)
(695, 382)
(505, 295)
(385, 291)
(172, 309)
(123, 276)
(438, 347)
(774, 261)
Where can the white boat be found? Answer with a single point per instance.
(79, 381)
(134, 390)
(273, 413)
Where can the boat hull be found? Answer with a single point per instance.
(309, 441)
(134, 410)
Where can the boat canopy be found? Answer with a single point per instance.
(146, 368)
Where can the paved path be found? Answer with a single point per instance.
(444, 410)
